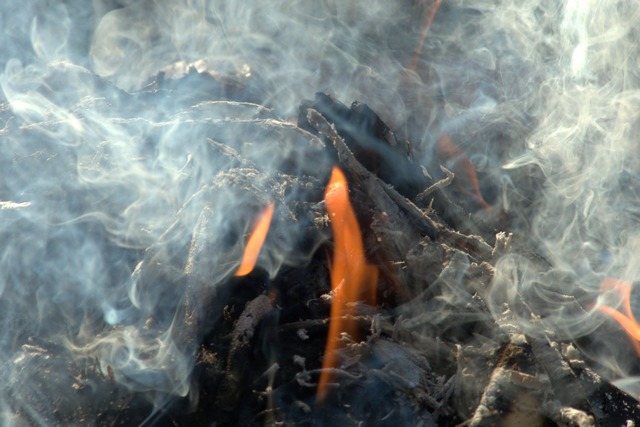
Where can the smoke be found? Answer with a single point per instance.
(293, 48)
(117, 202)
(584, 104)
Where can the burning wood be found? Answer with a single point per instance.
(147, 277)
(277, 349)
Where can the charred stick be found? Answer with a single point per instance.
(438, 185)
(426, 224)
(326, 129)
(254, 312)
(371, 141)
(475, 245)
(510, 399)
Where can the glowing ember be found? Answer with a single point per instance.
(352, 278)
(450, 151)
(255, 241)
(626, 319)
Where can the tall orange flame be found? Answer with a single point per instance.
(626, 319)
(255, 241)
(352, 278)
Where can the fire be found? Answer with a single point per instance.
(626, 318)
(429, 15)
(352, 278)
(255, 241)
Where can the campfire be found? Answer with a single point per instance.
(263, 213)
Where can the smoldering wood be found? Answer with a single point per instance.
(565, 384)
(380, 151)
(535, 387)
(512, 395)
(374, 187)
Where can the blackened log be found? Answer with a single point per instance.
(377, 148)
(371, 141)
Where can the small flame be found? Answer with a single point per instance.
(255, 241)
(450, 151)
(429, 15)
(626, 319)
(351, 276)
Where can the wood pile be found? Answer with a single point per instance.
(428, 352)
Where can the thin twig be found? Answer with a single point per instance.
(420, 219)
(444, 182)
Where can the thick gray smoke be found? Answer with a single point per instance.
(97, 183)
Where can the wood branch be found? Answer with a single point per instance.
(377, 187)
(422, 197)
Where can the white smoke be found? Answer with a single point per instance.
(584, 103)
(96, 181)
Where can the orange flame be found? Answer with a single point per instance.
(351, 275)
(428, 17)
(255, 241)
(450, 151)
(626, 319)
